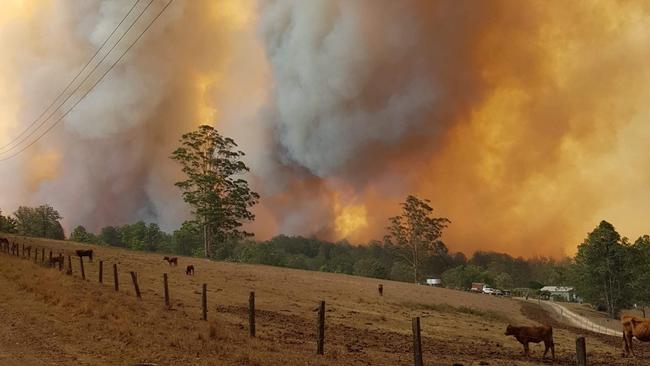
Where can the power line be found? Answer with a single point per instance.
(93, 86)
(15, 140)
(82, 81)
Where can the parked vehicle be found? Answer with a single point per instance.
(488, 290)
(477, 287)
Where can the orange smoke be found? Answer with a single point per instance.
(524, 126)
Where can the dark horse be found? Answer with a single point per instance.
(189, 270)
(173, 261)
(85, 253)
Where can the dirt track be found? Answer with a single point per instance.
(54, 319)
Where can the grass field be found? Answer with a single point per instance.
(53, 319)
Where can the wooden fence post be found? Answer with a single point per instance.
(115, 279)
(101, 271)
(69, 271)
(134, 278)
(581, 351)
(35, 255)
(81, 264)
(60, 262)
(204, 301)
(166, 288)
(23, 250)
(42, 255)
(417, 342)
(320, 329)
(51, 259)
(251, 314)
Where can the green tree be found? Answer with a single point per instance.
(187, 239)
(640, 264)
(42, 221)
(81, 235)
(602, 268)
(503, 281)
(462, 276)
(110, 235)
(416, 234)
(401, 271)
(7, 224)
(370, 267)
(219, 197)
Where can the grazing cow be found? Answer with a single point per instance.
(189, 270)
(526, 335)
(634, 327)
(173, 261)
(85, 253)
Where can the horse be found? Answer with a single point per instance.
(189, 270)
(85, 253)
(173, 261)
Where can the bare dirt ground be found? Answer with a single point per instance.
(52, 319)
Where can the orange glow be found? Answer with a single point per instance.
(349, 219)
(542, 132)
(42, 167)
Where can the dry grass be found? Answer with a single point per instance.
(57, 319)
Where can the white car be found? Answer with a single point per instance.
(488, 290)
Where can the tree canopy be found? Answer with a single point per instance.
(42, 221)
(220, 198)
(7, 224)
(602, 269)
(416, 233)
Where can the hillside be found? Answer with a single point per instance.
(54, 319)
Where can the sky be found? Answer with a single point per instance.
(524, 125)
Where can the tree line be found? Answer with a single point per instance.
(42, 221)
(607, 270)
(378, 259)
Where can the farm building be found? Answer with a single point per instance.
(562, 292)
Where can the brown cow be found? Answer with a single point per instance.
(634, 327)
(173, 261)
(189, 270)
(526, 335)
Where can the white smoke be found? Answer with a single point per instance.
(343, 79)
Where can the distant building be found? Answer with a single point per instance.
(565, 293)
(434, 282)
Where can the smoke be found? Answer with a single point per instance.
(524, 125)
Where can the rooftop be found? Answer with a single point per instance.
(557, 289)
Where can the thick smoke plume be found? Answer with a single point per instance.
(523, 125)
